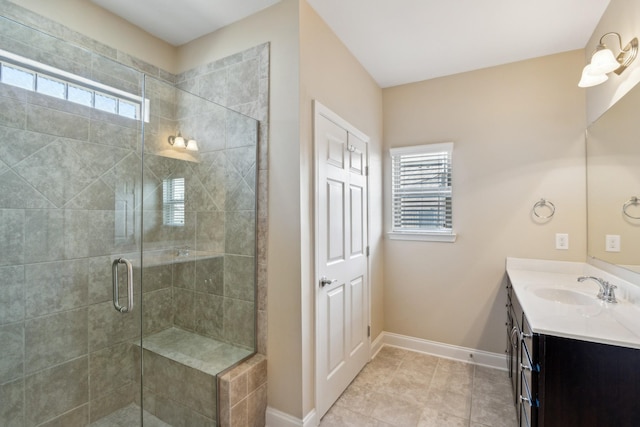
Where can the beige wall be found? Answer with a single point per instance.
(518, 131)
(621, 16)
(279, 26)
(103, 26)
(330, 74)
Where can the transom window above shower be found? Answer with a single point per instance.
(31, 75)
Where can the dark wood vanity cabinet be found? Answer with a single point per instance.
(563, 382)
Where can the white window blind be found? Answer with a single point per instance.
(421, 189)
(173, 201)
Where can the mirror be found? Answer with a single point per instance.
(613, 184)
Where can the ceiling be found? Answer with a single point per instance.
(400, 41)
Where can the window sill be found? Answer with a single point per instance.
(423, 236)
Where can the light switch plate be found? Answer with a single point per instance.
(612, 243)
(562, 241)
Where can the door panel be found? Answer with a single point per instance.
(336, 316)
(342, 290)
(335, 218)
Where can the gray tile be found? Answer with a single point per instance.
(56, 286)
(157, 277)
(158, 311)
(90, 233)
(12, 296)
(53, 122)
(100, 279)
(12, 236)
(43, 388)
(12, 407)
(189, 387)
(105, 410)
(240, 232)
(239, 322)
(17, 144)
(243, 82)
(184, 308)
(184, 274)
(57, 171)
(44, 235)
(108, 327)
(209, 315)
(210, 232)
(13, 112)
(55, 339)
(76, 417)
(241, 130)
(239, 277)
(16, 193)
(104, 132)
(111, 369)
(12, 344)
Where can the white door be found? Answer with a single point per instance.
(342, 285)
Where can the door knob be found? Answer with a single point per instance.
(324, 281)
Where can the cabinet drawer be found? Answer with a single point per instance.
(528, 403)
(527, 337)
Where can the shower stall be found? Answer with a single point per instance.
(127, 240)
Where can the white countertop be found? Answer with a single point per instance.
(587, 320)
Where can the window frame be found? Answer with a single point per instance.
(432, 234)
(174, 202)
(39, 70)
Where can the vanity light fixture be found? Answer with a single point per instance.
(180, 142)
(603, 61)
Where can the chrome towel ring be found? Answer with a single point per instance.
(541, 204)
(631, 202)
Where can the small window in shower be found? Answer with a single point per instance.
(18, 77)
(51, 87)
(35, 76)
(173, 201)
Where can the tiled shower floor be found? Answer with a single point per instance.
(408, 389)
(127, 417)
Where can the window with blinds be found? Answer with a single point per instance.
(421, 189)
(173, 201)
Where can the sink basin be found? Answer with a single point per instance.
(565, 296)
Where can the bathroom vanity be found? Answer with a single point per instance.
(573, 359)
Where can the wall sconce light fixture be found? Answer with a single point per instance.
(603, 61)
(180, 142)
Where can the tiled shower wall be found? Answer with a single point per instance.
(213, 289)
(81, 332)
(241, 82)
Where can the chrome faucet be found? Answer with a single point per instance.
(606, 292)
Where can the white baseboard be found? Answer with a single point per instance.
(376, 345)
(464, 354)
(275, 418)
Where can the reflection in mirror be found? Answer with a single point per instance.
(613, 180)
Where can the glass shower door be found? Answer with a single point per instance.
(70, 206)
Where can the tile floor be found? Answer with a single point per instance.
(409, 389)
(127, 417)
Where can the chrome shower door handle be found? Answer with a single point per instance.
(114, 272)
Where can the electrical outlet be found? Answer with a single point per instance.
(612, 243)
(562, 241)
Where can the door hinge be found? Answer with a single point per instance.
(367, 250)
(368, 331)
(366, 171)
